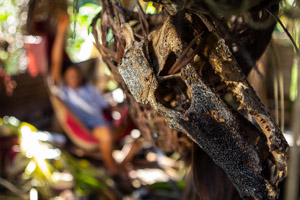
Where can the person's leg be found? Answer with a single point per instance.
(105, 137)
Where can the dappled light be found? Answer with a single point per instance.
(140, 99)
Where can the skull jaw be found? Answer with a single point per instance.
(208, 121)
(213, 127)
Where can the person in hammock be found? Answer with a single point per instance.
(82, 98)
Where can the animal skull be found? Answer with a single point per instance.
(185, 97)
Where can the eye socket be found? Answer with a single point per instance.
(171, 59)
(173, 94)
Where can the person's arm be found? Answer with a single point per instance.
(58, 47)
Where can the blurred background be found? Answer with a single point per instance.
(40, 160)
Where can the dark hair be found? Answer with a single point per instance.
(69, 64)
(66, 65)
(207, 181)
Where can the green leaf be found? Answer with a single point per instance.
(3, 17)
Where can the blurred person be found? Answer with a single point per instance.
(82, 98)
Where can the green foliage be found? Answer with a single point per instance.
(13, 16)
(290, 17)
(150, 9)
(294, 81)
(86, 176)
(80, 22)
(12, 19)
(168, 189)
(36, 168)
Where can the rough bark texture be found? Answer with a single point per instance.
(181, 66)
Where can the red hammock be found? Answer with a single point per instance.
(73, 127)
(76, 130)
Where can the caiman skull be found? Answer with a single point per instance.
(172, 70)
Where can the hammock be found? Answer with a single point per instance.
(79, 134)
(74, 128)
